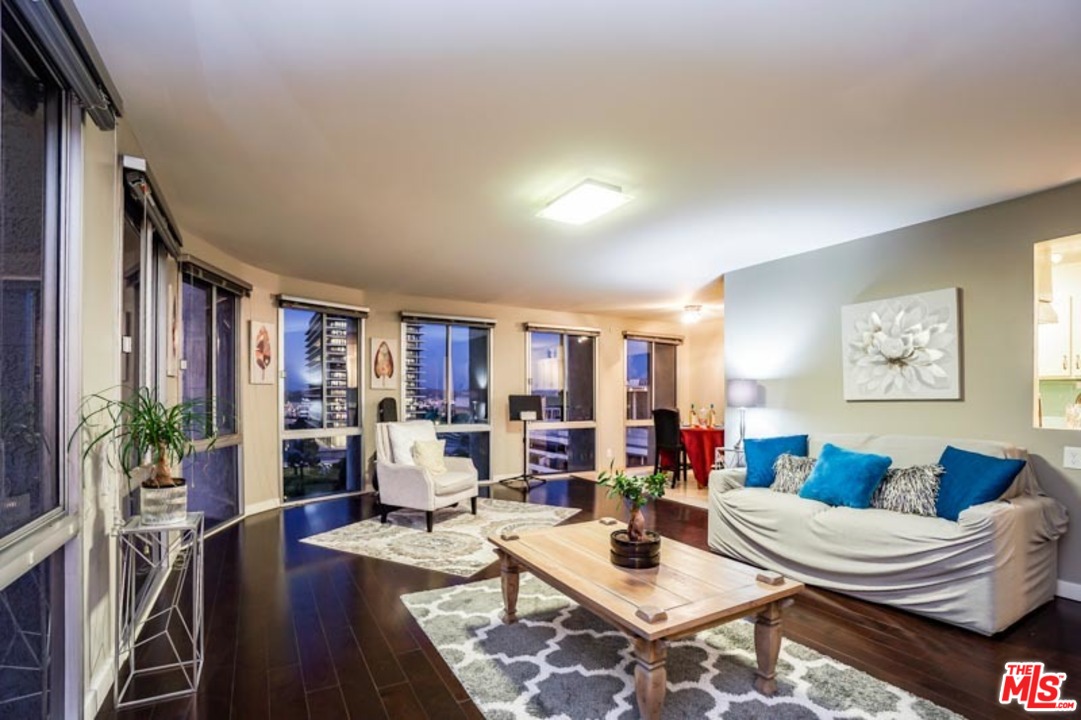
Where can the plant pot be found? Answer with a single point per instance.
(164, 505)
(635, 554)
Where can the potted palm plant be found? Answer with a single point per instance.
(634, 547)
(147, 437)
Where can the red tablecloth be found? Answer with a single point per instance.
(700, 443)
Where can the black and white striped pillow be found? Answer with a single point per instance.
(912, 490)
(790, 472)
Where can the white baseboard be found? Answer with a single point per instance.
(1069, 590)
(256, 508)
(100, 687)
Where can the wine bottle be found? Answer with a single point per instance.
(694, 417)
(711, 419)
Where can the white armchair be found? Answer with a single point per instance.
(404, 484)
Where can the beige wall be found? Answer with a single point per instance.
(782, 326)
(706, 364)
(100, 371)
(259, 412)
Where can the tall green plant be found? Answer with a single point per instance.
(142, 427)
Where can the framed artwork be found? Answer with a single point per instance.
(172, 353)
(384, 359)
(264, 360)
(903, 348)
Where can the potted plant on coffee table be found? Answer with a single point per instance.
(142, 433)
(634, 547)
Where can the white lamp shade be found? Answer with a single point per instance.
(741, 393)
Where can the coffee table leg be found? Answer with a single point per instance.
(509, 572)
(650, 676)
(767, 645)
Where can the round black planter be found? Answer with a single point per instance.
(635, 554)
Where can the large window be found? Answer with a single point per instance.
(211, 308)
(651, 383)
(322, 451)
(37, 523)
(447, 363)
(562, 370)
(29, 360)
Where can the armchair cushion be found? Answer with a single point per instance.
(453, 481)
(402, 435)
(428, 454)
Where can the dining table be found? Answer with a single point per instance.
(700, 444)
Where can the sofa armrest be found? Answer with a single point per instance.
(405, 486)
(1040, 515)
(727, 479)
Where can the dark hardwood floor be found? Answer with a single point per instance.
(296, 631)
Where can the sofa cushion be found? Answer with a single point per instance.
(428, 454)
(971, 479)
(843, 477)
(402, 435)
(912, 490)
(790, 472)
(453, 481)
(761, 453)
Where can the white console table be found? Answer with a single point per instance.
(159, 641)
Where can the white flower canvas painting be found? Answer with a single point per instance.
(903, 348)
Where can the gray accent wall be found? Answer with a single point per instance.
(783, 327)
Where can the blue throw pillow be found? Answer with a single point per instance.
(761, 453)
(972, 478)
(844, 477)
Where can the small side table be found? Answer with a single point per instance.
(159, 636)
(733, 456)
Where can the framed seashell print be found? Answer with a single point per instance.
(903, 348)
(384, 359)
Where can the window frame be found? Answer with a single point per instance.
(565, 334)
(653, 341)
(450, 324)
(58, 270)
(56, 533)
(284, 435)
(235, 438)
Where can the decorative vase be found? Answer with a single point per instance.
(635, 554)
(163, 505)
(635, 547)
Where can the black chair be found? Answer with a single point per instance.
(388, 410)
(669, 452)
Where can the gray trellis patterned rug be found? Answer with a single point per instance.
(458, 543)
(560, 661)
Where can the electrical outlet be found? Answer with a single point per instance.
(1071, 457)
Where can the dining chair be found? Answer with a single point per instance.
(670, 453)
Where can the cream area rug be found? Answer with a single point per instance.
(560, 661)
(458, 543)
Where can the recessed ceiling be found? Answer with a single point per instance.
(408, 145)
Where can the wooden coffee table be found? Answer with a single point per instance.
(692, 590)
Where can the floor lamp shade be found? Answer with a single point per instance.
(741, 393)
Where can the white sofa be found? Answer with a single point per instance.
(984, 572)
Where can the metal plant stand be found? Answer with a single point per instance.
(159, 642)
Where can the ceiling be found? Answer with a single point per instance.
(406, 145)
